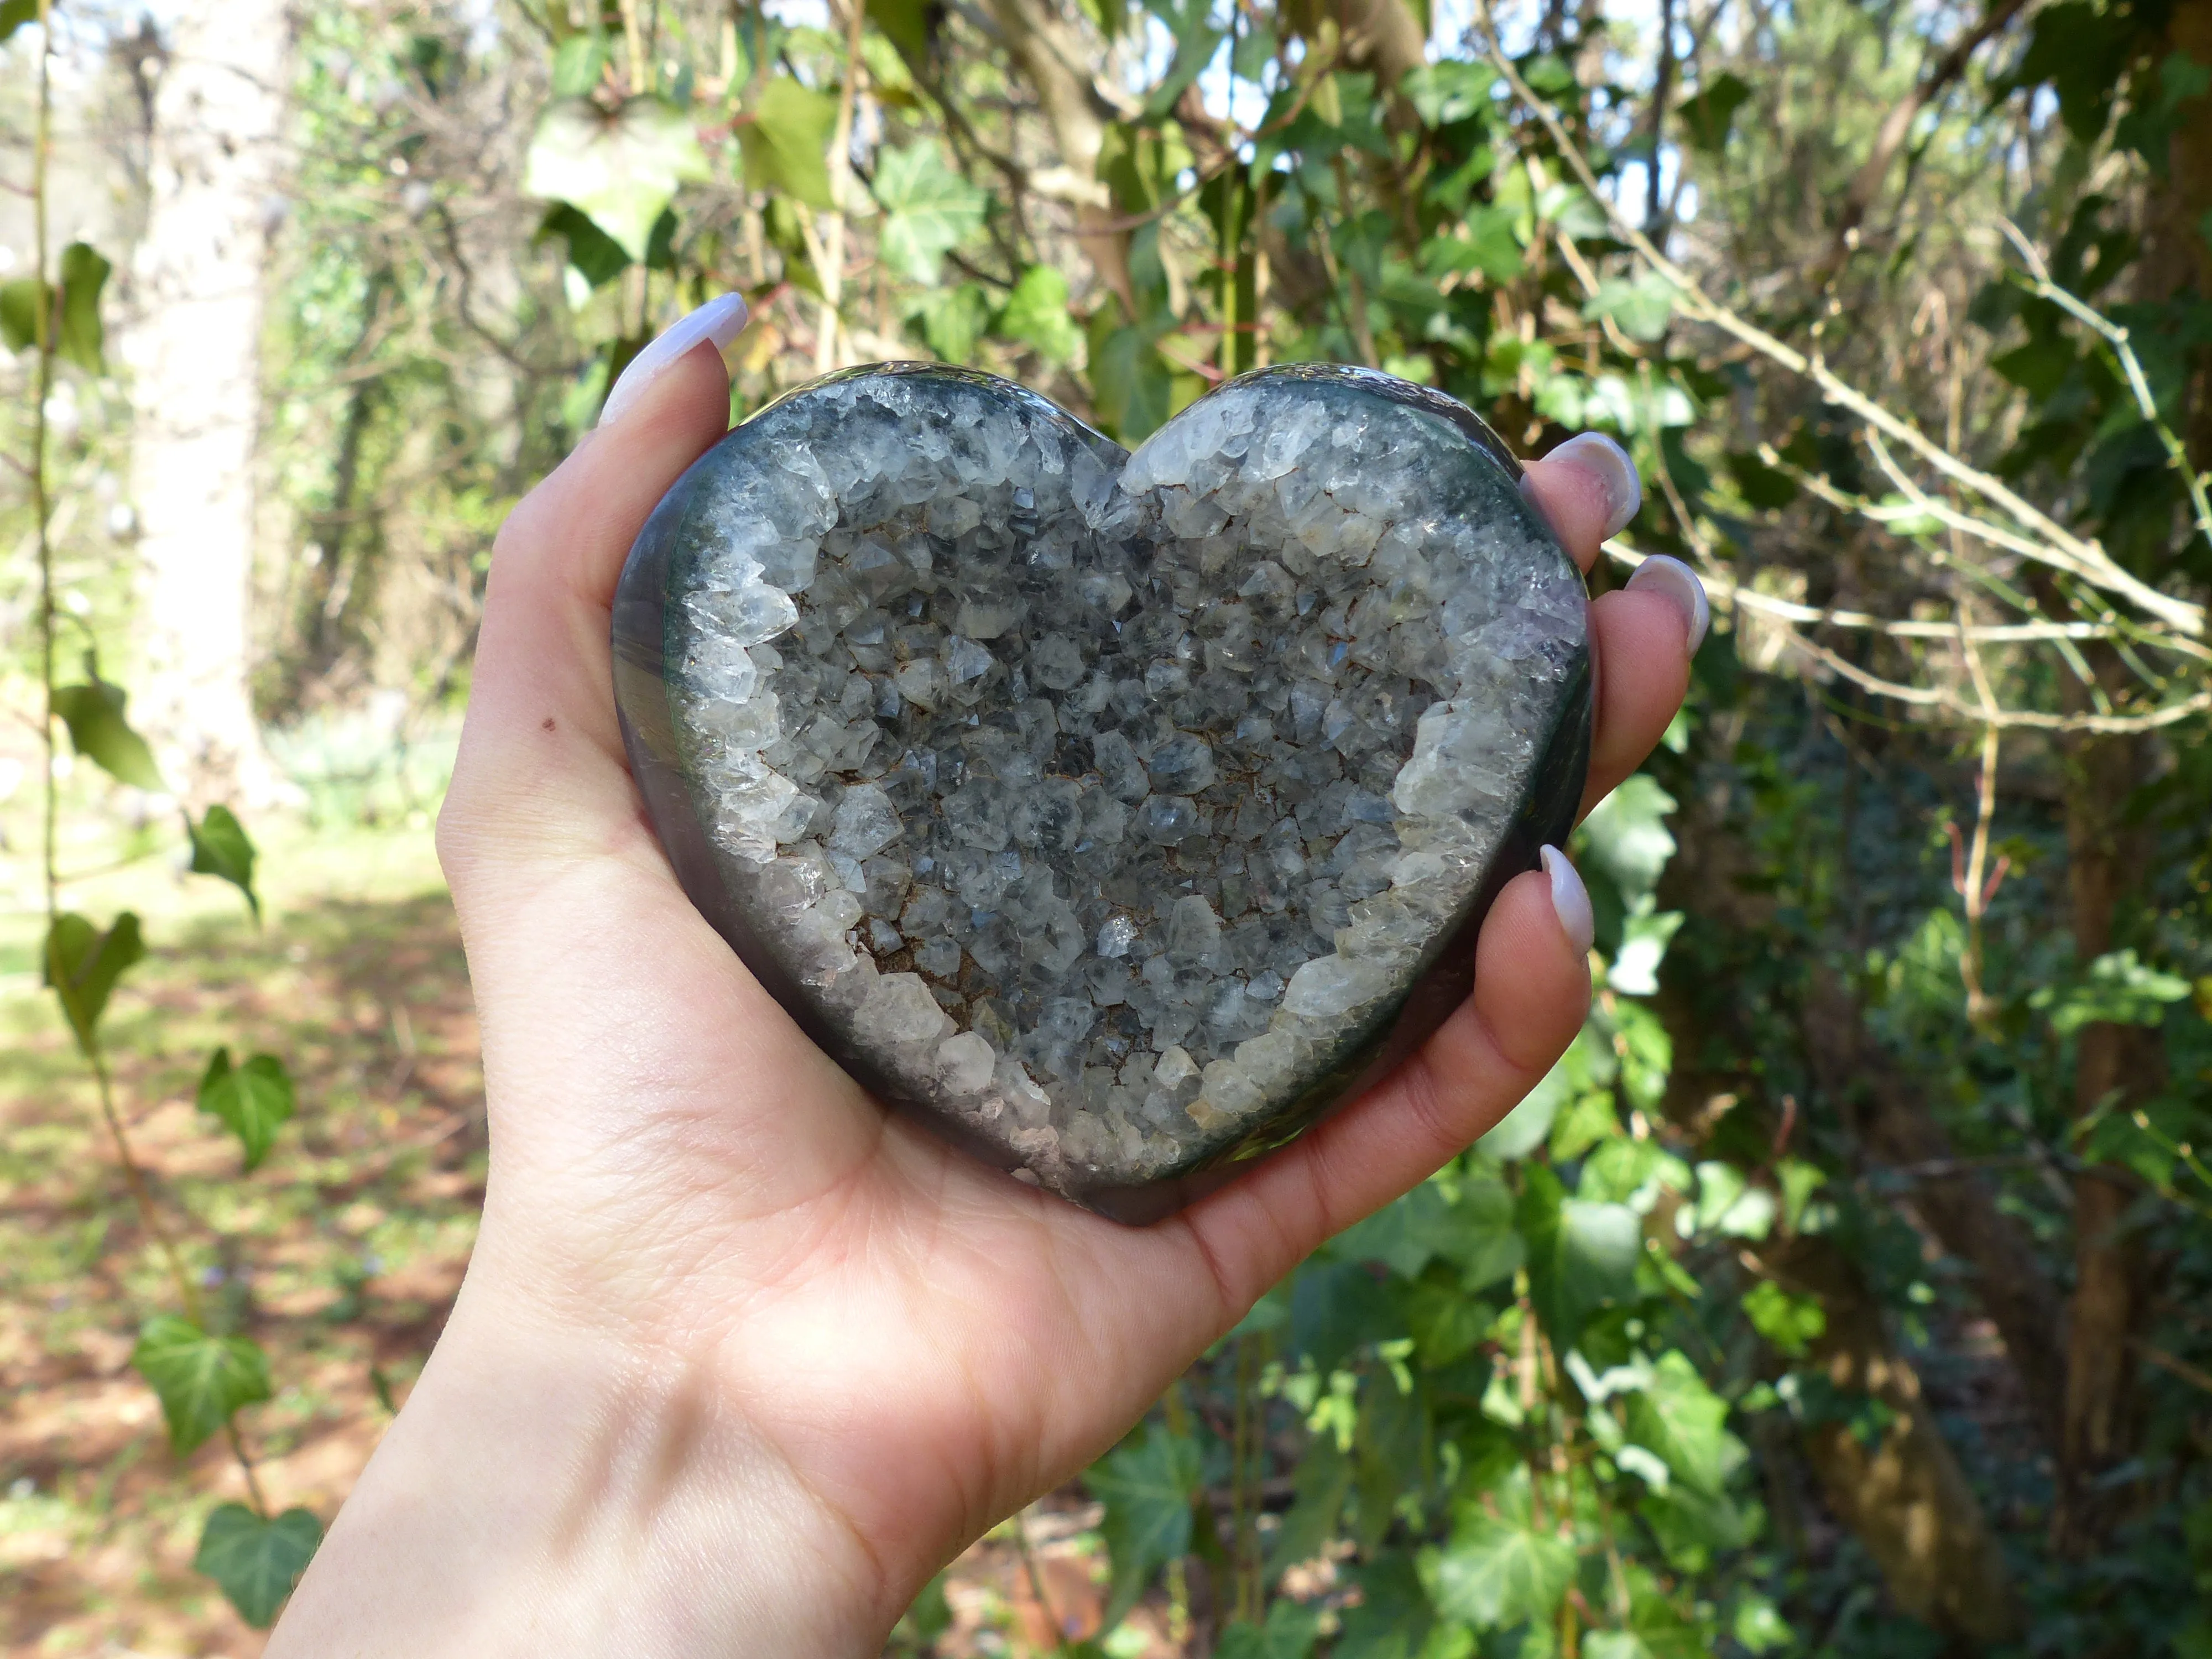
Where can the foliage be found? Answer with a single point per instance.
(1925, 402)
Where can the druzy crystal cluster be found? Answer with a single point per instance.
(1105, 807)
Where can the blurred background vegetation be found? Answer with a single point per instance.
(1842, 1293)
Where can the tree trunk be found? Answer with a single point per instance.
(195, 358)
(2120, 1064)
(1897, 1486)
(1054, 56)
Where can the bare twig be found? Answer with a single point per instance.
(2130, 368)
(2048, 541)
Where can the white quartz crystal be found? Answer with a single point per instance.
(1104, 801)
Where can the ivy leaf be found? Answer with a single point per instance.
(1489, 246)
(905, 24)
(1393, 1618)
(1524, 1128)
(1196, 42)
(84, 273)
(21, 302)
(13, 14)
(1319, 1486)
(953, 320)
(1405, 1236)
(787, 142)
(1036, 315)
(1677, 1416)
(1627, 835)
(1147, 1487)
(577, 64)
(256, 1562)
(1495, 1574)
(620, 168)
(83, 963)
(1580, 1256)
(931, 210)
(92, 711)
(199, 1379)
(253, 1100)
(74, 315)
(1290, 1631)
(1710, 115)
(592, 254)
(1640, 309)
(1131, 384)
(221, 848)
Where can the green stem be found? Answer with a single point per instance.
(41, 508)
(141, 1194)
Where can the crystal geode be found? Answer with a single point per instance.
(1117, 813)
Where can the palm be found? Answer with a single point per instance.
(922, 1343)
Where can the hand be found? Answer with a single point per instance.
(741, 1360)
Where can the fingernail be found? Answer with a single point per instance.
(718, 320)
(1677, 581)
(1570, 899)
(1608, 463)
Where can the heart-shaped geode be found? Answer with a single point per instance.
(1118, 813)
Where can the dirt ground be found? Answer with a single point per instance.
(340, 1255)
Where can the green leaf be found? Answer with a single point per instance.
(92, 711)
(1580, 1256)
(1677, 1416)
(1393, 1619)
(905, 24)
(83, 964)
(1405, 1236)
(256, 1562)
(1290, 1633)
(2118, 990)
(1196, 43)
(1790, 1323)
(1037, 314)
(1640, 309)
(1131, 383)
(1627, 835)
(620, 168)
(82, 341)
(20, 304)
(595, 256)
(953, 320)
(13, 14)
(253, 1100)
(1319, 1486)
(1757, 1625)
(1710, 115)
(221, 848)
(1447, 92)
(1147, 1487)
(1489, 246)
(577, 64)
(199, 1379)
(930, 209)
(1495, 1574)
(1523, 1129)
(787, 142)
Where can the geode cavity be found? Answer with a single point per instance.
(1117, 813)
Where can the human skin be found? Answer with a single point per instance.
(740, 1359)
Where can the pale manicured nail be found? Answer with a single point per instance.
(718, 320)
(1608, 463)
(1677, 581)
(1570, 899)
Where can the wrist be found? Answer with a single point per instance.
(547, 1490)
